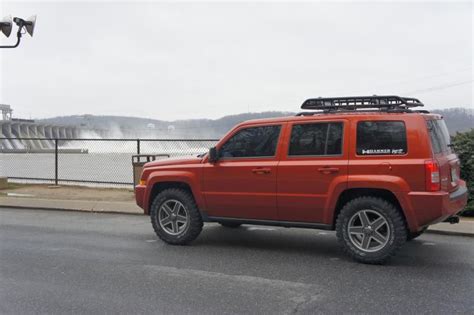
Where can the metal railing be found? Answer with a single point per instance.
(86, 161)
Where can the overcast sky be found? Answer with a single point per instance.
(206, 60)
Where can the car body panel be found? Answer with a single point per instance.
(291, 193)
(242, 187)
(306, 183)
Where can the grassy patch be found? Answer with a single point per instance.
(13, 186)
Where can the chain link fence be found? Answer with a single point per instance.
(104, 162)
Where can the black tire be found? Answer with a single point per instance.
(412, 236)
(395, 229)
(193, 226)
(230, 224)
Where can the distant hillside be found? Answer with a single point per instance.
(457, 119)
(131, 127)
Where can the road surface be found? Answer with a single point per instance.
(71, 262)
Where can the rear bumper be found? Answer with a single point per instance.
(433, 207)
(459, 193)
(140, 196)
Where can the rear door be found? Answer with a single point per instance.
(448, 161)
(313, 164)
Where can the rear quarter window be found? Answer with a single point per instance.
(381, 138)
(439, 136)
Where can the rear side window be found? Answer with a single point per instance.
(252, 142)
(381, 138)
(316, 139)
(439, 135)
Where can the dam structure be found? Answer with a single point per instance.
(28, 136)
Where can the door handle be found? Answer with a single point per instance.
(261, 170)
(328, 170)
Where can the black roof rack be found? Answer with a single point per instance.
(351, 103)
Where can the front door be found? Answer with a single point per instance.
(314, 166)
(242, 183)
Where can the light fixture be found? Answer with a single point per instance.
(6, 27)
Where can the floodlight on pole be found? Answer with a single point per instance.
(7, 23)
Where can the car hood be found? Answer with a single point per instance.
(175, 161)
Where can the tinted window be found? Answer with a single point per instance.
(381, 138)
(439, 135)
(316, 139)
(334, 140)
(252, 142)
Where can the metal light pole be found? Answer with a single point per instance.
(6, 25)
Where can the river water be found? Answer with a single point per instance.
(109, 162)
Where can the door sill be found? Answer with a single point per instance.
(288, 224)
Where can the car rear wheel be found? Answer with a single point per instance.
(370, 229)
(175, 217)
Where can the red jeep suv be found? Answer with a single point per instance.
(372, 168)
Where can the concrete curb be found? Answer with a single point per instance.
(451, 233)
(70, 210)
(465, 227)
(71, 205)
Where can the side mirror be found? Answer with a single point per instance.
(213, 156)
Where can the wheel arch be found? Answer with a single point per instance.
(351, 193)
(160, 186)
(160, 180)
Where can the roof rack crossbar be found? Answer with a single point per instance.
(311, 113)
(361, 102)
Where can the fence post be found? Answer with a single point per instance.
(138, 146)
(56, 162)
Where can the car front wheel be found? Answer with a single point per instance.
(175, 217)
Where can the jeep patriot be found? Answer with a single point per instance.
(372, 168)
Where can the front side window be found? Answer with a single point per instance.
(252, 142)
(381, 138)
(316, 139)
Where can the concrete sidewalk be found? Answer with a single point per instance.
(125, 207)
(464, 228)
(77, 198)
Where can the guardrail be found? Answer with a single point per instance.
(86, 161)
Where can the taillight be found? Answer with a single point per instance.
(432, 176)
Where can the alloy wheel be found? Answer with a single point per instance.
(173, 217)
(368, 230)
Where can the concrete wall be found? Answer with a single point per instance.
(6, 132)
(15, 130)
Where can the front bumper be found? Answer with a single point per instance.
(140, 191)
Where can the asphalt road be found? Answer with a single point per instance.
(71, 262)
